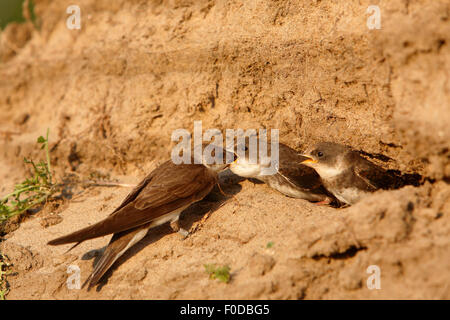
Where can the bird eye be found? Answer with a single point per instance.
(320, 153)
(243, 148)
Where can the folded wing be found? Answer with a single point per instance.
(374, 176)
(300, 175)
(167, 188)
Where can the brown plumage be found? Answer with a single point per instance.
(159, 198)
(292, 178)
(117, 245)
(167, 188)
(345, 173)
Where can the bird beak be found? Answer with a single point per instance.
(235, 157)
(309, 160)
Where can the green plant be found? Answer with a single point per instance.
(4, 266)
(220, 273)
(269, 244)
(18, 11)
(33, 191)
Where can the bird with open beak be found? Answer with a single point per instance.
(159, 198)
(291, 179)
(345, 173)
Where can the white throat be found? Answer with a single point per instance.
(328, 172)
(245, 169)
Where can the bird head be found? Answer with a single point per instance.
(326, 158)
(214, 157)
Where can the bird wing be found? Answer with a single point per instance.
(298, 174)
(182, 182)
(169, 187)
(374, 176)
(300, 177)
(135, 192)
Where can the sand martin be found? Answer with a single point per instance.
(159, 198)
(345, 173)
(292, 178)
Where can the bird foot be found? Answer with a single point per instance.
(175, 225)
(183, 232)
(325, 202)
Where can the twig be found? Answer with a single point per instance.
(108, 184)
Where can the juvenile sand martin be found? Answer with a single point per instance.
(345, 173)
(159, 198)
(292, 179)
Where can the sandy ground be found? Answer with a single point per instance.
(113, 92)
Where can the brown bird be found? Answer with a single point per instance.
(159, 198)
(291, 179)
(345, 173)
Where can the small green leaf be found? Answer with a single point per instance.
(220, 273)
(269, 244)
(34, 191)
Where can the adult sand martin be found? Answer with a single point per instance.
(291, 179)
(159, 198)
(345, 173)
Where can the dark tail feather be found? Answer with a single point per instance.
(77, 236)
(106, 261)
(113, 224)
(116, 247)
(72, 247)
(96, 230)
